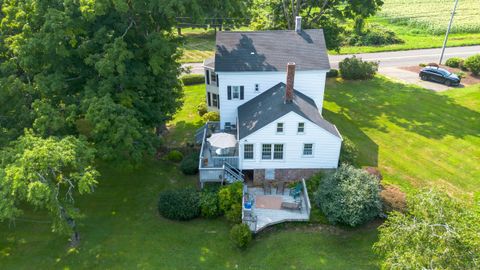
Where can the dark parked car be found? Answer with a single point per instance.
(439, 75)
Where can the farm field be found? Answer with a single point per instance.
(434, 15)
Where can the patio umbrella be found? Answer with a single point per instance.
(222, 140)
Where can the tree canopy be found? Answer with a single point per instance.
(326, 14)
(103, 69)
(46, 174)
(436, 232)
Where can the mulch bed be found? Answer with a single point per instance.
(468, 80)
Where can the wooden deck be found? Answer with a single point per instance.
(265, 216)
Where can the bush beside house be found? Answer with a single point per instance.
(210, 204)
(189, 164)
(211, 116)
(348, 152)
(354, 68)
(349, 196)
(191, 79)
(230, 198)
(202, 108)
(175, 156)
(182, 204)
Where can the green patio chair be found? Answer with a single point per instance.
(295, 192)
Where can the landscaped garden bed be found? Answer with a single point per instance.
(467, 77)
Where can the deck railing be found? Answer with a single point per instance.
(308, 206)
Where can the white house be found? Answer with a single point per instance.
(268, 87)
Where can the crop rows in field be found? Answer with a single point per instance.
(434, 15)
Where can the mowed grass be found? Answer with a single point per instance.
(199, 44)
(418, 138)
(122, 230)
(413, 39)
(187, 120)
(433, 15)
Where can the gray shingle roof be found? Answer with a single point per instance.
(269, 106)
(270, 50)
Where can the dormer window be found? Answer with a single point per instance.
(280, 128)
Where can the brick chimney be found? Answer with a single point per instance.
(290, 81)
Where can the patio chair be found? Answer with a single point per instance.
(280, 187)
(295, 192)
(267, 188)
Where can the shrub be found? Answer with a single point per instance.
(454, 62)
(461, 74)
(182, 204)
(230, 198)
(348, 152)
(393, 199)
(202, 108)
(332, 73)
(210, 204)
(241, 235)
(422, 65)
(191, 79)
(189, 164)
(354, 68)
(473, 64)
(211, 116)
(234, 214)
(374, 36)
(175, 156)
(349, 196)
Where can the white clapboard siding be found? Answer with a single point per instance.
(310, 83)
(326, 146)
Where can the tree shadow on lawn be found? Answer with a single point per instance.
(417, 110)
(182, 132)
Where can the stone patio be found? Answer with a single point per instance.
(266, 209)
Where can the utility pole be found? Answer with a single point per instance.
(448, 32)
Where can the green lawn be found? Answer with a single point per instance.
(418, 138)
(182, 128)
(414, 39)
(122, 230)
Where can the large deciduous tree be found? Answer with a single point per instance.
(326, 14)
(47, 174)
(436, 232)
(105, 69)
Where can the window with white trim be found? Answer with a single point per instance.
(266, 151)
(308, 149)
(215, 100)
(278, 151)
(301, 128)
(272, 151)
(280, 128)
(248, 151)
(236, 92)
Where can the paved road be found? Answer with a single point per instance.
(409, 58)
(390, 59)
